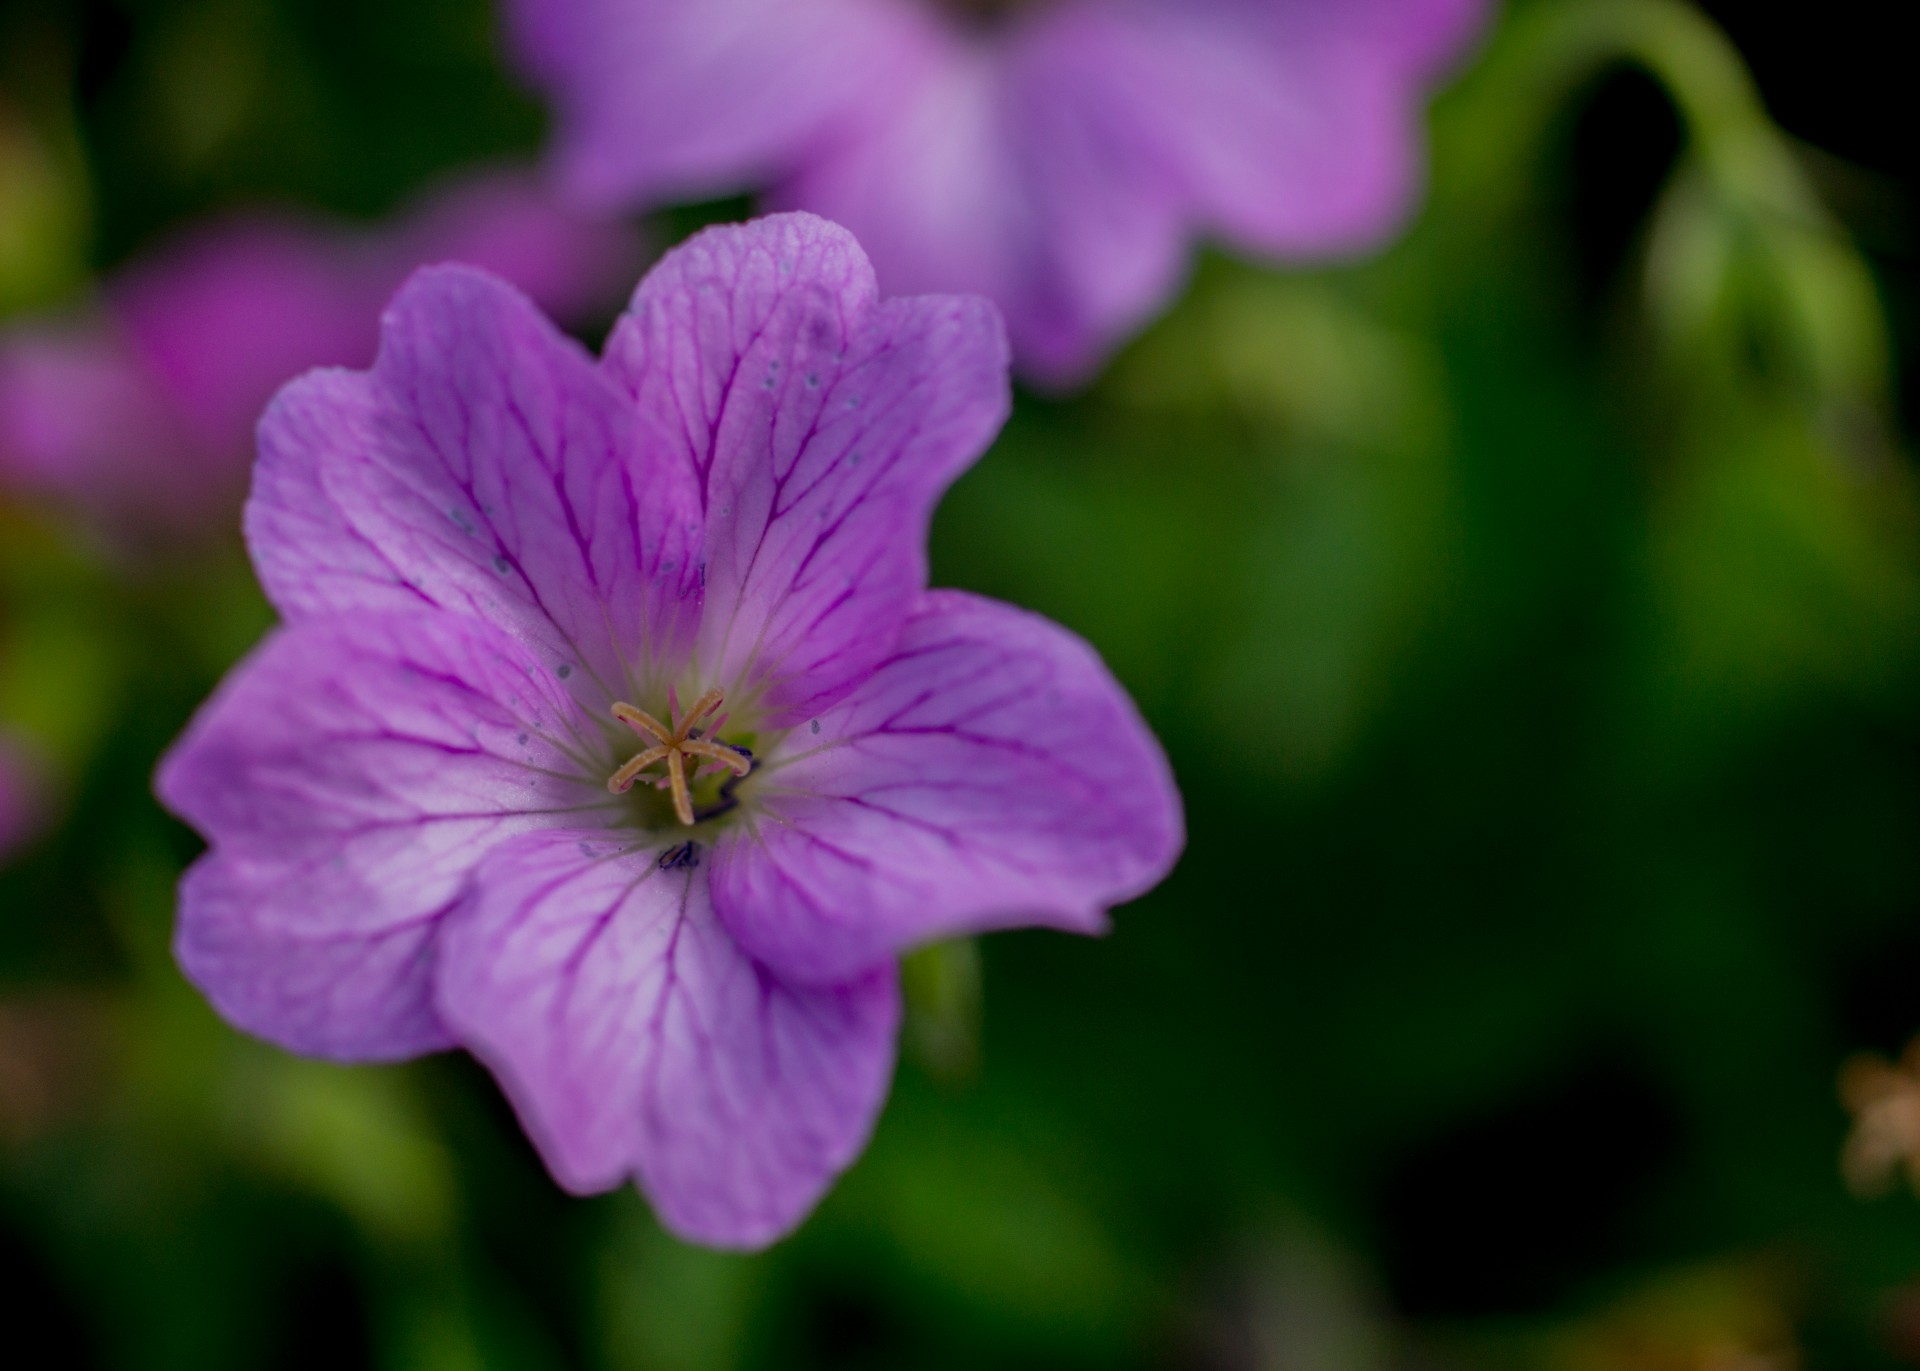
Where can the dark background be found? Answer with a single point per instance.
(1541, 677)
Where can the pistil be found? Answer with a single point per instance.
(683, 744)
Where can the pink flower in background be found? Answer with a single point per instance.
(613, 734)
(144, 409)
(1057, 156)
(19, 799)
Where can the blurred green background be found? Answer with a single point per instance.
(1533, 617)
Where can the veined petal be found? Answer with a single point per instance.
(990, 773)
(638, 1041)
(259, 942)
(826, 424)
(349, 775)
(483, 466)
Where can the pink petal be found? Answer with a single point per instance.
(573, 266)
(637, 1040)
(236, 307)
(990, 774)
(348, 776)
(257, 942)
(230, 311)
(83, 420)
(144, 411)
(827, 425)
(982, 181)
(1061, 163)
(21, 797)
(684, 100)
(484, 466)
(1291, 129)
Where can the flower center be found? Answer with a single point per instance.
(984, 12)
(683, 745)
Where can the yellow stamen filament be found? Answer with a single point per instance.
(679, 745)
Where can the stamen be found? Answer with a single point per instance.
(680, 745)
(718, 752)
(702, 707)
(682, 798)
(622, 780)
(642, 722)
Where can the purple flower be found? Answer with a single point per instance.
(20, 809)
(1056, 156)
(613, 734)
(144, 408)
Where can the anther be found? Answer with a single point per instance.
(680, 744)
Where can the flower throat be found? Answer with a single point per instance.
(683, 744)
(985, 13)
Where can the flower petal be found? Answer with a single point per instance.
(1421, 37)
(259, 942)
(827, 425)
(144, 410)
(973, 183)
(991, 773)
(1062, 167)
(22, 803)
(226, 313)
(484, 466)
(235, 307)
(1293, 129)
(637, 1040)
(348, 776)
(686, 99)
(572, 265)
(83, 421)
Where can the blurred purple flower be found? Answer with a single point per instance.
(1056, 156)
(143, 409)
(613, 734)
(19, 798)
